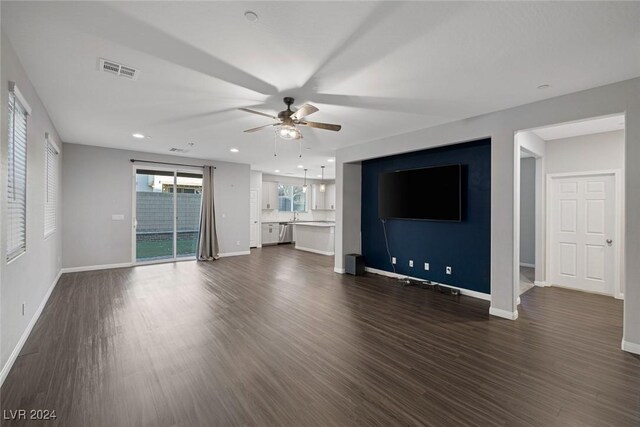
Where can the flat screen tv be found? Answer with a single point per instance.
(433, 193)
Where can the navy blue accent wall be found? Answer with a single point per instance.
(465, 245)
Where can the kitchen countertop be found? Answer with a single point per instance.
(314, 223)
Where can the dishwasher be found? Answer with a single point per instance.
(286, 233)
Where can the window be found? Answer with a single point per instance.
(51, 178)
(16, 174)
(291, 198)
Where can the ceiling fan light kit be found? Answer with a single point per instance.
(288, 132)
(289, 120)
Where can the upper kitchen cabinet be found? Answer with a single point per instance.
(323, 200)
(269, 195)
(330, 197)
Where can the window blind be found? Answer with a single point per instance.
(17, 178)
(51, 200)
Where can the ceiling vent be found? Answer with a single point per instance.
(178, 150)
(118, 69)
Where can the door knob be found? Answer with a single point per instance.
(609, 242)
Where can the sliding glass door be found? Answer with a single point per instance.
(167, 209)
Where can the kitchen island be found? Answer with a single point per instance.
(316, 237)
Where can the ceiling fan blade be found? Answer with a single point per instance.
(304, 111)
(261, 127)
(325, 126)
(258, 113)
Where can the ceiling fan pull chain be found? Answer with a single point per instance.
(300, 148)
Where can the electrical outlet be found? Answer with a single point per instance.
(410, 263)
(426, 266)
(448, 270)
(237, 242)
(393, 260)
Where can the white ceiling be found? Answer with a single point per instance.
(377, 68)
(583, 127)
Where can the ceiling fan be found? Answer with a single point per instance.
(288, 120)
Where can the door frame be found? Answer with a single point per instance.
(258, 210)
(168, 168)
(618, 229)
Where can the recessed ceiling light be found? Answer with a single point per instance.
(251, 16)
(138, 135)
(277, 171)
(300, 166)
(545, 86)
(234, 150)
(331, 160)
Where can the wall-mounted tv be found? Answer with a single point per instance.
(433, 193)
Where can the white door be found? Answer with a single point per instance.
(254, 227)
(583, 224)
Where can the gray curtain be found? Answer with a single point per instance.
(207, 238)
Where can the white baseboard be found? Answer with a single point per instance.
(96, 267)
(23, 338)
(511, 315)
(631, 347)
(467, 292)
(339, 270)
(526, 264)
(228, 254)
(315, 251)
(540, 283)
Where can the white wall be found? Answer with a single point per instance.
(29, 278)
(586, 153)
(532, 144)
(256, 180)
(98, 182)
(528, 211)
(501, 127)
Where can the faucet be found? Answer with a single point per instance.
(295, 216)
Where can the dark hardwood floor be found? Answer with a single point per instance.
(277, 338)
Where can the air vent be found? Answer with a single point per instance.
(120, 70)
(178, 150)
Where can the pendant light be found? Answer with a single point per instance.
(304, 187)
(322, 186)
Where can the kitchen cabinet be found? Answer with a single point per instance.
(270, 233)
(330, 197)
(323, 201)
(317, 197)
(269, 195)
